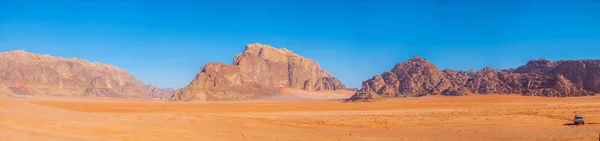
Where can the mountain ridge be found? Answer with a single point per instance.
(417, 77)
(25, 73)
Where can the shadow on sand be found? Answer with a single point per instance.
(573, 124)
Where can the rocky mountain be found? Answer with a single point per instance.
(583, 73)
(23, 73)
(469, 73)
(417, 77)
(260, 70)
(538, 66)
(159, 93)
(414, 78)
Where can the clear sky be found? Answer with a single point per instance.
(166, 43)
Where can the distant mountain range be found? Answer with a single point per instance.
(261, 70)
(23, 73)
(417, 77)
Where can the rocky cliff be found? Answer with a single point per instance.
(23, 73)
(260, 70)
(417, 77)
(414, 78)
(583, 73)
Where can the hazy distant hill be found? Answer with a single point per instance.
(23, 73)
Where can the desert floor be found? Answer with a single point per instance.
(491, 117)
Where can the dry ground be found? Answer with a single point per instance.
(492, 117)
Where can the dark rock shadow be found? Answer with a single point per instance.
(19, 91)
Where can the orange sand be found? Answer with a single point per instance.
(492, 117)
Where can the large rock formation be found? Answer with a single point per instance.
(583, 73)
(414, 78)
(538, 66)
(559, 86)
(23, 73)
(417, 77)
(260, 70)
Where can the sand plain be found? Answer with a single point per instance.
(475, 117)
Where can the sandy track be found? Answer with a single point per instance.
(494, 117)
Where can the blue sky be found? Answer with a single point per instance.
(166, 43)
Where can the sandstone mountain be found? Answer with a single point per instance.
(538, 66)
(414, 78)
(259, 71)
(417, 77)
(159, 93)
(23, 73)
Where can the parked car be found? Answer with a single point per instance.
(578, 120)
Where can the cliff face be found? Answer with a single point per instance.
(583, 73)
(417, 77)
(23, 73)
(260, 70)
(274, 67)
(559, 86)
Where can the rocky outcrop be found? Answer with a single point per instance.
(559, 86)
(583, 73)
(23, 73)
(260, 70)
(469, 73)
(365, 96)
(540, 77)
(489, 81)
(538, 66)
(414, 78)
(159, 93)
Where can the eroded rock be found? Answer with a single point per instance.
(260, 70)
(417, 77)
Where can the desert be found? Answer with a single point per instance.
(475, 117)
(299, 70)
